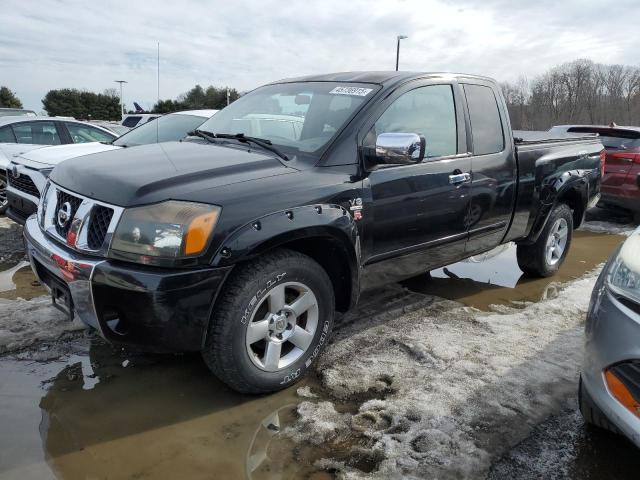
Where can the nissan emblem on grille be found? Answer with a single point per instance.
(64, 214)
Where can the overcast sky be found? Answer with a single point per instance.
(46, 44)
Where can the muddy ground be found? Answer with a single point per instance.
(469, 374)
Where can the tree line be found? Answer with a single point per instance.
(578, 92)
(70, 102)
(198, 98)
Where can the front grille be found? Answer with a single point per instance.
(88, 226)
(24, 184)
(98, 224)
(64, 197)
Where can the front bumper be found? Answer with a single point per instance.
(156, 309)
(612, 337)
(19, 208)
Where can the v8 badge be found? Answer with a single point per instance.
(356, 208)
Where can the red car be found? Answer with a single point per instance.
(620, 185)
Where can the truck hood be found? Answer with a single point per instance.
(8, 152)
(162, 171)
(51, 156)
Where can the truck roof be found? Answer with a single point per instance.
(377, 77)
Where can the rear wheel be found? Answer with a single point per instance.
(546, 255)
(4, 203)
(271, 322)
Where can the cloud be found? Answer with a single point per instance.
(54, 44)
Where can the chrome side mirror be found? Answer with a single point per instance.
(400, 148)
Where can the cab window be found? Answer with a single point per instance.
(85, 134)
(6, 135)
(428, 111)
(486, 126)
(37, 133)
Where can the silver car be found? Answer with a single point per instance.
(610, 380)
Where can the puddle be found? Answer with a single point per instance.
(105, 413)
(17, 280)
(490, 280)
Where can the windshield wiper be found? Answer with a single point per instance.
(241, 137)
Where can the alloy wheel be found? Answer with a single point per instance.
(282, 326)
(557, 241)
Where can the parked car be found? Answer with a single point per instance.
(19, 134)
(134, 120)
(609, 389)
(621, 181)
(115, 127)
(30, 170)
(243, 247)
(14, 112)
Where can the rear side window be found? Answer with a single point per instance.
(37, 133)
(85, 134)
(131, 121)
(6, 135)
(486, 126)
(428, 111)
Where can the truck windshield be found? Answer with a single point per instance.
(297, 117)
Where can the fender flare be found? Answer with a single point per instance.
(328, 221)
(562, 186)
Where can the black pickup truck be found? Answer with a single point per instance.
(242, 240)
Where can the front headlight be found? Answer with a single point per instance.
(624, 274)
(164, 232)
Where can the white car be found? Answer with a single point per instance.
(133, 120)
(28, 172)
(22, 133)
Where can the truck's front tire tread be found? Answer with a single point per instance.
(221, 356)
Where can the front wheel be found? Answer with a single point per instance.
(546, 255)
(270, 323)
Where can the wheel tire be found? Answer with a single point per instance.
(591, 413)
(247, 292)
(533, 259)
(4, 203)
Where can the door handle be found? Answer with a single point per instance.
(459, 178)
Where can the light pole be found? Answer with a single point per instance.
(121, 99)
(400, 37)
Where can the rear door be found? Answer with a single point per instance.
(493, 165)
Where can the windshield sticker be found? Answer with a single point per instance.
(357, 91)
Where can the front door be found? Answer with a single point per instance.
(418, 212)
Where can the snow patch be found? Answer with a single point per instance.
(24, 323)
(444, 391)
(597, 226)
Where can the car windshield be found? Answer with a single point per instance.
(167, 128)
(297, 117)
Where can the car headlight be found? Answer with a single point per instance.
(624, 273)
(164, 232)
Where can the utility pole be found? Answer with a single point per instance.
(158, 73)
(121, 99)
(228, 95)
(400, 37)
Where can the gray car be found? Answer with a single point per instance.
(610, 380)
